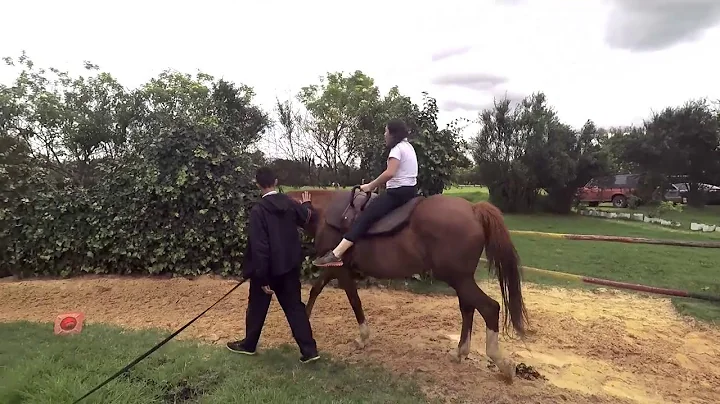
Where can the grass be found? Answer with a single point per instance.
(690, 269)
(576, 224)
(471, 193)
(40, 368)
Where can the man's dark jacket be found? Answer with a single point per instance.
(274, 246)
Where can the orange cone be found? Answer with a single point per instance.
(69, 323)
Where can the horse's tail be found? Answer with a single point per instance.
(504, 262)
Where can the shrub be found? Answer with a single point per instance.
(633, 202)
(179, 207)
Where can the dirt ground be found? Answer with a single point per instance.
(593, 347)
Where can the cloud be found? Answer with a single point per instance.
(474, 81)
(642, 25)
(452, 105)
(450, 52)
(475, 107)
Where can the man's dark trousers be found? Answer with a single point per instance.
(287, 289)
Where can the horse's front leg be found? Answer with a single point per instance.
(325, 277)
(350, 288)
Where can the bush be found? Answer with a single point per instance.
(178, 208)
(633, 202)
(666, 207)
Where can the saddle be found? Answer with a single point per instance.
(343, 211)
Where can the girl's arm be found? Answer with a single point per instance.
(389, 173)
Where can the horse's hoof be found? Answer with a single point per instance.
(359, 343)
(455, 355)
(507, 368)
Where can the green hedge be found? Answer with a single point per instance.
(180, 207)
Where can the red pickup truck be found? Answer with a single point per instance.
(615, 188)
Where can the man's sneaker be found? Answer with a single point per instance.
(239, 347)
(309, 358)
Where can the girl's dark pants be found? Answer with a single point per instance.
(385, 203)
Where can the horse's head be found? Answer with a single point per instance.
(320, 198)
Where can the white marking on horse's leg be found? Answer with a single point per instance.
(492, 348)
(361, 341)
(462, 350)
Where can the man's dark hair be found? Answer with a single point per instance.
(398, 131)
(265, 177)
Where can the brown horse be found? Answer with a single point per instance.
(445, 237)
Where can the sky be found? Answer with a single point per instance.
(612, 61)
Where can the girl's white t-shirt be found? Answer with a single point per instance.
(406, 175)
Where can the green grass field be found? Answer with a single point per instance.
(691, 269)
(36, 367)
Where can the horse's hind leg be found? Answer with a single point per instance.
(468, 291)
(326, 276)
(348, 284)
(463, 348)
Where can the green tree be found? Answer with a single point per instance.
(179, 100)
(440, 151)
(335, 107)
(499, 150)
(583, 157)
(520, 151)
(681, 140)
(66, 122)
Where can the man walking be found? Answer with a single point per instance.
(272, 263)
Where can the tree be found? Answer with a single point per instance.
(522, 150)
(585, 158)
(681, 140)
(289, 135)
(179, 100)
(499, 150)
(66, 122)
(440, 151)
(335, 107)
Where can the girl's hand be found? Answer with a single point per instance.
(367, 187)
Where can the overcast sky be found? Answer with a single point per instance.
(609, 60)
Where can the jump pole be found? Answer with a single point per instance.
(620, 239)
(623, 285)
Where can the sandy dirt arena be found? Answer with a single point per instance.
(593, 347)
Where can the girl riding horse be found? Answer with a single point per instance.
(400, 178)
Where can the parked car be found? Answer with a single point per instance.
(674, 194)
(712, 192)
(615, 189)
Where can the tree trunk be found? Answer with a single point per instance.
(696, 197)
